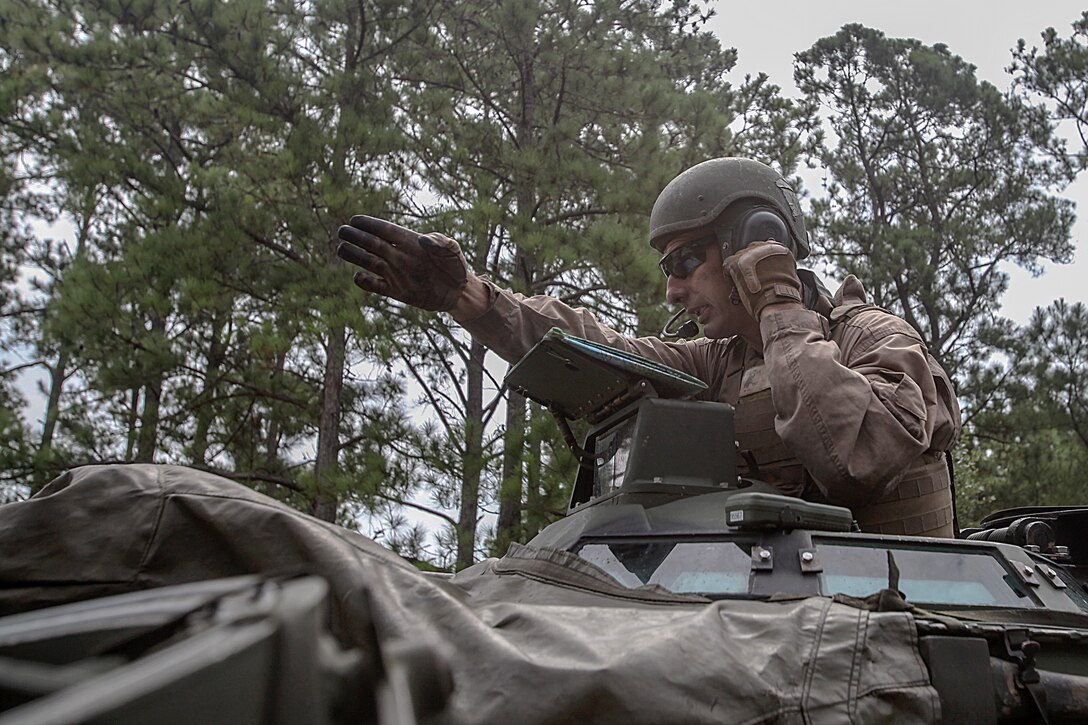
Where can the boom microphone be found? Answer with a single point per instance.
(686, 331)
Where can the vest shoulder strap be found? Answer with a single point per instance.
(844, 313)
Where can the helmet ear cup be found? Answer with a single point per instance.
(760, 225)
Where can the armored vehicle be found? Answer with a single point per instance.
(673, 591)
(1000, 614)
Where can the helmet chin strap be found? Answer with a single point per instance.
(813, 290)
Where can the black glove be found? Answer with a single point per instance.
(423, 270)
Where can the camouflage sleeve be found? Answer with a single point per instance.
(514, 323)
(858, 411)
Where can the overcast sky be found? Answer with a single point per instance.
(767, 34)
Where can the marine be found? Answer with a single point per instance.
(837, 400)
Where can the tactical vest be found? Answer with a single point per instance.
(919, 504)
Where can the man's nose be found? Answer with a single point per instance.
(676, 290)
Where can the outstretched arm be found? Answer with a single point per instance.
(428, 271)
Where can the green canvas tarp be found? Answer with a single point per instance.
(536, 636)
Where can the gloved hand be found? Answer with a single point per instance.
(764, 273)
(423, 270)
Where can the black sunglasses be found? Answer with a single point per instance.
(686, 258)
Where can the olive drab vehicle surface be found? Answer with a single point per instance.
(673, 591)
(1000, 624)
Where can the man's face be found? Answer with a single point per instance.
(706, 293)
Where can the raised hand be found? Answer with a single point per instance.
(423, 270)
(765, 274)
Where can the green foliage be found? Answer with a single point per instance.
(22, 202)
(215, 148)
(545, 131)
(549, 128)
(1058, 73)
(1037, 467)
(202, 155)
(937, 181)
(16, 453)
(1057, 344)
(1028, 446)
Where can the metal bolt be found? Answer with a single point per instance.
(764, 554)
(1050, 572)
(807, 557)
(1028, 571)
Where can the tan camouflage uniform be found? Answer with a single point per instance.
(848, 409)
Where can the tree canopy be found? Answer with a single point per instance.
(936, 180)
(174, 175)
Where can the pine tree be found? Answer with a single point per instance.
(545, 132)
(1058, 73)
(935, 181)
(223, 143)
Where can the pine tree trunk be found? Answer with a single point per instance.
(148, 435)
(472, 468)
(205, 412)
(57, 374)
(148, 438)
(508, 528)
(533, 517)
(271, 458)
(325, 499)
(133, 420)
